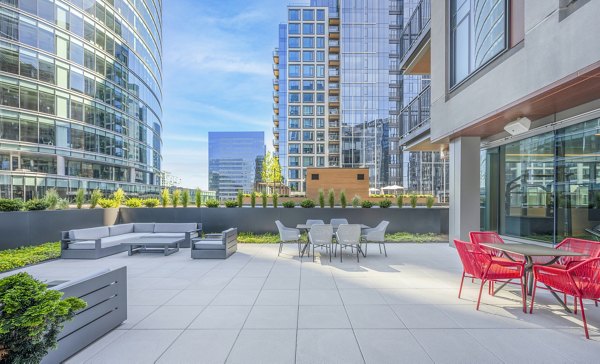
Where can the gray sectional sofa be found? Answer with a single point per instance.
(98, 242)
(215, 246)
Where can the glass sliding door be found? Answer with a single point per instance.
(526, 191)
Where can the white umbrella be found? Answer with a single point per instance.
(394, 187)
(373, 189)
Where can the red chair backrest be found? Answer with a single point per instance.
(482, 237)
(586, 276)
(588, 247)
(472, 258)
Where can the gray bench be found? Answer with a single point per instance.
(106, 295)
(215, 246)
(98, 242)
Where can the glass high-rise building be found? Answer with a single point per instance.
(234, 161)
(338, 90)
(80, 96)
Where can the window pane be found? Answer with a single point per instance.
(28, 97)
(28, 64)
(29, 130)
(9, 126)
(9, 58)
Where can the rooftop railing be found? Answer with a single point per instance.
(418, 21)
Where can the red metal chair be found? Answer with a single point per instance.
(581, 280)
(479, 264)
(489, 237)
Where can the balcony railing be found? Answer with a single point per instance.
(334, 99)
(334, 57)
(419, 19)
(417, 113)
(334, 72)
(334, 29)
(334, 43)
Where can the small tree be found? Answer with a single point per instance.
(95, 198)
(185, 198)
(253, 199)
(271, 170)
(321, 199)
(240, 198)
(356, 201)
(31, 317)
(331, 198)
(165, 197)
(343, 201)
(175, 198)
(275, 199)
(80, 198)
(413, 201)
(264, 200)
(51, 198)
(119, 197)
(198, 197)
(430, 201)
(400, 200)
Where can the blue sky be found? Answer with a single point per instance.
(217, 65)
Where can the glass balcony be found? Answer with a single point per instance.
(417, 113)
(418, 21)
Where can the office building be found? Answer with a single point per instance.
(515, 96)
(233, 161)
(337, 89)
(80, 96)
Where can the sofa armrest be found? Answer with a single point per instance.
(64, 243)
(193, 233)
(213, 236)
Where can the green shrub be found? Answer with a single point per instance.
(400, 201)
(384, 204)
(343, 201)
(133, 202)
(413, 201)
(21, 257)
(307, 204)
(36, 204)
(119, 197)
(185, 198)
(165, 196)
(52, 198)
(430, 201)
(263, 197)
(212, 203)
(251, 238)
(253, 199)
(240, 198)
(331, 198)
(175, 198)
(151, 202)
(7, 204)
(289, 204)
(231, 203)
(32, 316)
(321, 199)
(275, 200)
(198, 197)
(63, 204)
(80, 198)
(366, 204)
(356, 201)
(95, 198)
(107, 203)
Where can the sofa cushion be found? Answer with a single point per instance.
(209, 245)
(146, 227)
(120, 229)
(167, 235)
(90, 245)
(115, 239)
(175, 227)
(91, 233)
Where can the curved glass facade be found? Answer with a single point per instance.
(80, 96)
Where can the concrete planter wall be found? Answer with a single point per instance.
(36, 227)
(22, 228)
(260, 220)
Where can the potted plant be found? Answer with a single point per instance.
(31, 317)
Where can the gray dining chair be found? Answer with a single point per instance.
(375, 235)
(337, 222)
(321, 235)
(313, 222)
(348, 235)
(287, 235)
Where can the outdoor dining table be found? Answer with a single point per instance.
(529, 251)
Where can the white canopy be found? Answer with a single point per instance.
(394, 187)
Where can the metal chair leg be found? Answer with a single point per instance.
(461, 284)
(384, 249)
(587, 335)
(480, 289)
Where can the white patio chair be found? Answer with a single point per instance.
(375, 235)
(321, 235)
(287, 235)
(313, 222)
(349, 236)
(337, 222)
